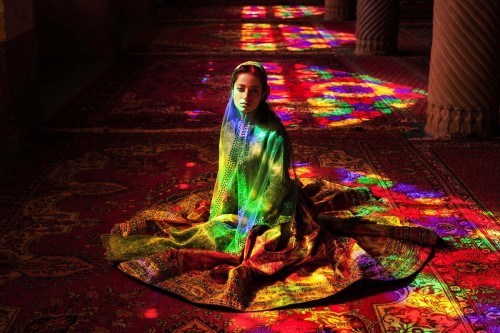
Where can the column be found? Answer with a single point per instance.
(464, 86)
(377, 26)
(19, 112)
(340, 10)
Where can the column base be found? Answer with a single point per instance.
(375, 46)
(455, 123)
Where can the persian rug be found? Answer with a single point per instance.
(244, 37)
(63, 192)
(168, 93)
(472, 163)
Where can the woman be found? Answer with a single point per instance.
(266, 240)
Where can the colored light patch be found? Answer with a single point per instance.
(193, 113)
(329, 98)
(328, 102)
(300, 38)
(313, 73)
(305, 171)
(301, 164)
(430, 201)
(260, 37)
(424, 195)
(286, 118)
(280, 92)
(253, 12)
(291, 12)
(325, 122)
(347, 176)
(413, 192)
(257, 37)
(335, 38)
(375, 180)
(151, 314)
(428, 293)
(437, 212)
(367, 210)
(329, 112)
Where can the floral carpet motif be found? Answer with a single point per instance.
(51, 251)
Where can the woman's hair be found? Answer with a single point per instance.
(256, 69)
(265, 116)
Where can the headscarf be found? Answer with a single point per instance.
(253, 183)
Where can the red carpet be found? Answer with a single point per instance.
(148, 131)
(52, 251)
(471, 163)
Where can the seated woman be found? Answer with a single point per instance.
(261, 239)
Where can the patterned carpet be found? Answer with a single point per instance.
(147, 132)
(64, 193)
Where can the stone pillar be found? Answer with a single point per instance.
(464, 86)
(19, 112)
(377, 26)
(340, 10)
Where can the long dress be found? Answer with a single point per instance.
(261, 240)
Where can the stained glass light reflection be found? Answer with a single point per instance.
(257, 37)
(332, 98)
(272, 37)
(253, 12)
(300, 38)
(291, 12)
(281, 12)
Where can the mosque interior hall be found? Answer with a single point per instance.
(110, 109)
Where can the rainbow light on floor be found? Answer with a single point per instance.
(276, 80)
(292, 12)
(301, 38)
(281, 12)
(272, 37)
(428, 208)
(253, 12)
(334, 98)
(257, 37)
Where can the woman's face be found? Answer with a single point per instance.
(247, 92)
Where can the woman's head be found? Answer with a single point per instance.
(249, 86)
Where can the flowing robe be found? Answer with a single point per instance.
(260, 240)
